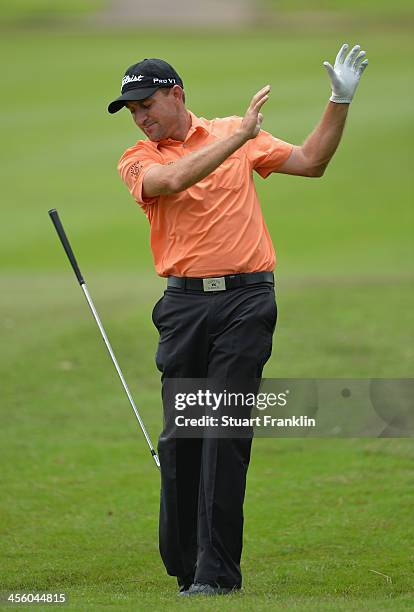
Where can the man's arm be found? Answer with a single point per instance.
(173, 178)
(314, 155)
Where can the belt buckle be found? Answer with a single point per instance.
(214, 284)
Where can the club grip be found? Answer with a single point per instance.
(53, 213)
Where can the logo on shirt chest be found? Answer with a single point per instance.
(135, 169)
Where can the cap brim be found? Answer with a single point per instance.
(128, 96)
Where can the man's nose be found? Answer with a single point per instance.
(140, 115)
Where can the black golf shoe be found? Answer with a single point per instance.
(207, 589)
(184, 583)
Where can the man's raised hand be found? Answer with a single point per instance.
(346, 73)
(253, 118)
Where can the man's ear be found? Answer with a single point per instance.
(178, 93)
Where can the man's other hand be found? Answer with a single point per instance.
(252, 120)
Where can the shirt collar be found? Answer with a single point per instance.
(197, 125)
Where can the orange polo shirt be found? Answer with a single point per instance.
(216, 226)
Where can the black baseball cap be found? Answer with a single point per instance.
(143, 79)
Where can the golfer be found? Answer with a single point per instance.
(193, 178)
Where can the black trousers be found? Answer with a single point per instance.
(221, 335)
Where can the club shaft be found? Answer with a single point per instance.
(69, 252)
(118, 369)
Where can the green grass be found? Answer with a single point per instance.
(80, 492)
(79, 498)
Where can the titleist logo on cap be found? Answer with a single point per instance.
(154, 80)
(128, 79)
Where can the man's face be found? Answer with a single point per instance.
(157, 115)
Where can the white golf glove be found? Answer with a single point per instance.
(346, 73)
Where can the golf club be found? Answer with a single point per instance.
(68, 249)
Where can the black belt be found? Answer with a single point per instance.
(220, 283)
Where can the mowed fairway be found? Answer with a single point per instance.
(328, 522)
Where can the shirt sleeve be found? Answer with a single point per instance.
(267, 153)
(132, 167)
